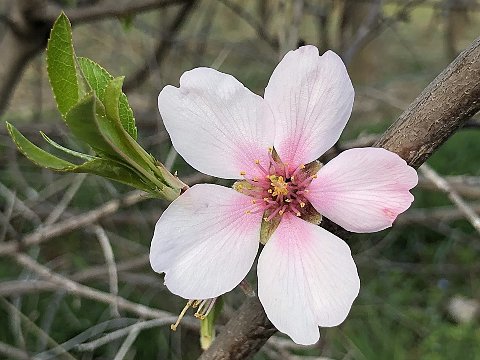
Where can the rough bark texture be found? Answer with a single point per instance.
(451, 99)
(243, 335)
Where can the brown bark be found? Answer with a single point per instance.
(451, 99)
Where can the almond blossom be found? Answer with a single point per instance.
(207, 239)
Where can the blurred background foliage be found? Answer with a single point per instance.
(420, 296)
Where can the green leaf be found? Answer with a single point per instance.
(107, 168)
(82, 121)
(66, 150)
(34, 153)
(61, 68)
(98, 78)
(112, 98)
(116, 171)
(113, 132)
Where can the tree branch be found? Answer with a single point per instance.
(29, 24)
(451, 99)
(107, 10)
(443, 107)
(162, 48)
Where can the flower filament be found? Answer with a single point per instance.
(278, 190)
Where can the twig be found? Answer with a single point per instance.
(111, 266)
(366, 29)
(107, 9)
(32, 326)
(117, 334)
(19, 205)
(433, 215)
(444, 186)
(162, 48)
(96, 330)
(254, 23)
(88, 292)
(12, 352)
(73, 223)
(66, 199)
(441, 108)
(88, 218)
(127, 344)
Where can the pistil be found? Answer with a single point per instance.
(279, 190)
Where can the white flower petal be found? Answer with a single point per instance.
(216, 124)
(306, 278)
(204, 242)
(311, 98)
(363, 190)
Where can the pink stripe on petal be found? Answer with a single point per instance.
(363, 190)
(306, 278)
(205, 242)
(216, 124)
(311, 98)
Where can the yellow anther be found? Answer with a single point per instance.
(248, 211)
(270, 149)
(255, 179)
(265, 199)
(298, 214)
(254, 201)
(243, 173)
(270, 191)
(293, 178)
(279, 185)
(314, 176)
(257, 161)
(288, 200)
(302, 166)
(302, 204)
(281, 212)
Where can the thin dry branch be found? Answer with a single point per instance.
(29, 24)
(433, 215)
(162, 48)
(94, 294)
(443, 107)
(451, 99)
(107, 9)
(111, 265)
(73, 223)
(12, 352)
(444, 186)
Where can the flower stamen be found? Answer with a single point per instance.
(181, 315)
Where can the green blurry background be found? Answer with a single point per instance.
(420, 296)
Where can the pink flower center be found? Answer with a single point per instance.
(278, 191)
